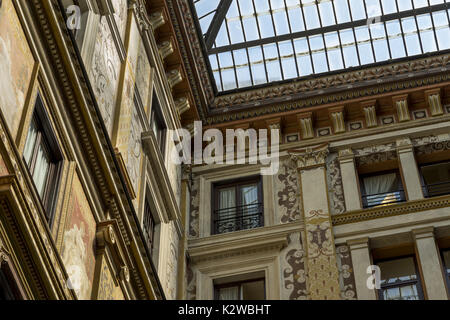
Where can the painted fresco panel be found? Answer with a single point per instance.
(104, 73)
(16, 66)
(120, 16)
(134, 155)
(108, 290)
(143, 77)
(78, 244)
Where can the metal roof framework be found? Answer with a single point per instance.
(253, 43)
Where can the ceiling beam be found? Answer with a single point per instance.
(216, 23)
(323, 30)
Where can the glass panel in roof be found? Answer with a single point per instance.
(256, 42)
(205, 10)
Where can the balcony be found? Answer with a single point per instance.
(238, 218)
(435, 179)
(436, 189)
(382, 199)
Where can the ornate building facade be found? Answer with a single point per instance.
(93, 205)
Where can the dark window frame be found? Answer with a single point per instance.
(46, 137)
(237, 184)
(149, 227)
(156, 116)
(417, 281)
(218, 287)
(11, 287)
(425, 186)
(446, 268)
(364, 195)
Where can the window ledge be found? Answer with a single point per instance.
(391, 210)
(242, 242)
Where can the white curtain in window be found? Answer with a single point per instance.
(227, 198)
(380, 184)
(41, 170)
(231, 293)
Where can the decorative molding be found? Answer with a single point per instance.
(433, 98)
(157, 20)
(289, 192)
(390, 211)
(241, 242)
(108, 237)
(370, 113)
(174, 76)
(335, 186)
(346, 275)
(337, 119)
(310, 157)
(335, 95)
(306, 125)
(165, 49)
(401, 105)
(182, 105)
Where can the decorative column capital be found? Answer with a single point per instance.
(346, 154)
(422, 233)
(360, 243)
(310, 157)
(404, 145)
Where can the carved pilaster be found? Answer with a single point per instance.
(433, 98)
(401, 105)
(305, 121)
(410, 171)
(321, 257)
(337, 119)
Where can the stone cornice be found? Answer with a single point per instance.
(242, 242)
(392, 210)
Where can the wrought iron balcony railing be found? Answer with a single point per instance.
(436, 189)
(381, 199)
(238, 218)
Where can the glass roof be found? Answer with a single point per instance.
(256, 42)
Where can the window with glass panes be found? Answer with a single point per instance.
(157, 123)
(243, 290)
(238, 205)
(446, 262)
(400, 280)
(255, 42)
(382, 188)
(43, 157)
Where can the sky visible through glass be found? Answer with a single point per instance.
(263, 41)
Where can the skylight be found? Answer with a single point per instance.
(257, 42)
